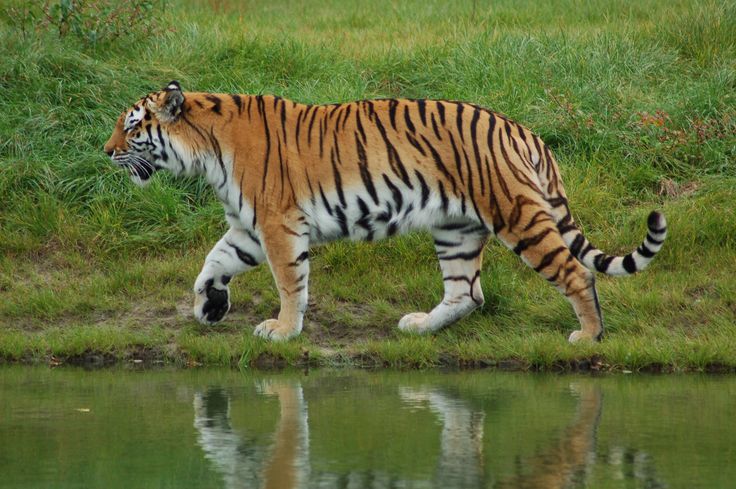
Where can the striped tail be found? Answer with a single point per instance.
(595, 260)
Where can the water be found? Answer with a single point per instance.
(210, 428)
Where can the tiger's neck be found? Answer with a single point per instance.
(243, 145)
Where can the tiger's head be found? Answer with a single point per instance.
(141, 139)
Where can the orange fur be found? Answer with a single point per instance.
(291, 175)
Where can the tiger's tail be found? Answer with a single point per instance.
(596, 260)
(582, 249)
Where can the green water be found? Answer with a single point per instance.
(210, 428)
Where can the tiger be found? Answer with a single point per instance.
(292, 175)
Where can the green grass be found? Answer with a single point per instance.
(637, 100)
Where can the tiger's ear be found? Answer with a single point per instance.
(167, 104)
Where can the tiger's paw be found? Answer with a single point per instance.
(211, 303)
(415, 322)
(274, 330)
(582, 336)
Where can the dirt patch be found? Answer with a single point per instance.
(325, 330)
(673, 189)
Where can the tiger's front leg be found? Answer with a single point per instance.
(287, 248)
(237, 251)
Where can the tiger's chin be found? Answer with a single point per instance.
(139, 181)
(142, 176)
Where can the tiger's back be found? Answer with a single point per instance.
(293, 175)
(375, 168)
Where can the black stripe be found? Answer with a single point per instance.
(588, 248)
(435, 128)
(218, 154)
(255, 214)
(324, 200)
(456, 278)
(394, 160)
(336, 147)
(342, 221)
(443, 196)
(311, 124)
(438, 162)
(281, 162)
(425, 188)
(360, 126)
(576, 245)
(408, 121)
(470, 255)
(453, 226)
(456, 153)
(371, 111)
(415, 143)
(322, 130)
(364, 220)
(446, 244)
(365, 175)
(645, 252)
(261, 110)
(602, 262)
(557, 201)
(298, 130)
(283, 121)
(244, 256)
(476, 150)
(338, 180)
(629, 264)
(654, 241)
(395, 192)
(421, 104)
(459, 121)
(392, 105)
(549, 258)
(252, 236)
(238, 102)
(347, 114)
(441, 111)
(304, 255)
(525, 243)
(215, 103)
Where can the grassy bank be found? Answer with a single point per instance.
(637, 101)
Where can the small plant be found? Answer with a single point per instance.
(680, 144)
(91, 21)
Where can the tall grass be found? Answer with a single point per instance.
(638, 101)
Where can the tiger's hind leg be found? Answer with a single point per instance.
(539, 243)
(460, 252)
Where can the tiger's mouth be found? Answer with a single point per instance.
(139, 168)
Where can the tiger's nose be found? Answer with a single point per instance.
(109, 152)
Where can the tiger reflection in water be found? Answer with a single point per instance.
(241, 460)
(244, 462)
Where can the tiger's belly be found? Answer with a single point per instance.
(361, 218)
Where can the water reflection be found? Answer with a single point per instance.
(562, 461)
(460, 463)
(566, 461)
(239, 458)
(204, 428)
